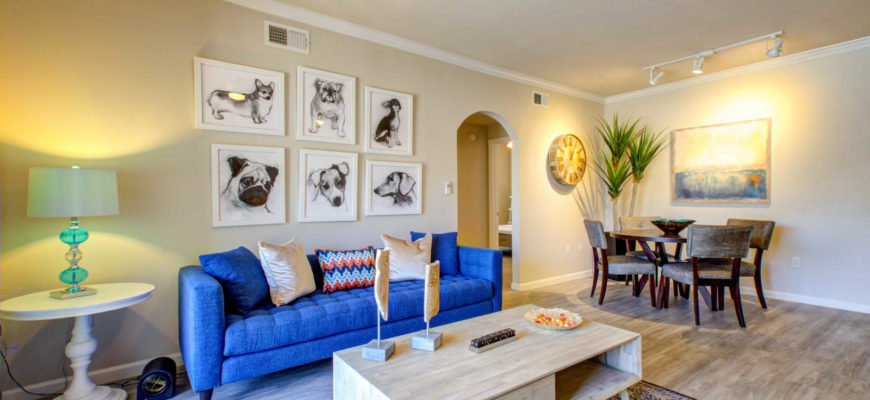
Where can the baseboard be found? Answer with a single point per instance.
(815, 301)
(550, 281)
(100, 376)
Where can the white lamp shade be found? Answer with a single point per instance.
(72, 192)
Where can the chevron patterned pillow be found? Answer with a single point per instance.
(347, 269)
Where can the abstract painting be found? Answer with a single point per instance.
(393, 188)
(389, 122)
(236, 98)
(724, 163)
(247, 185)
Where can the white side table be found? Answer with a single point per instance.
(41, 306)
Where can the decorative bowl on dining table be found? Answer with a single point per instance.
(671, 226)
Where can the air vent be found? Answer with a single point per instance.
(285, 37)
(541, 99)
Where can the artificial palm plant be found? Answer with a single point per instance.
(612, 166)
(642, 150)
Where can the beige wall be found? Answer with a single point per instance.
(109, 84)
(820, 180)
(472, 186)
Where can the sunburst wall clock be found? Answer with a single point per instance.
(567, 159)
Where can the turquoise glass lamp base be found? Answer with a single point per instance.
(73, 275)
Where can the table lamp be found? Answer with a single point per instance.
(72, 192)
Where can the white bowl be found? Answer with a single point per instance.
(555, 314)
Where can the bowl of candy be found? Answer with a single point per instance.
(555, 319)
(672, 226)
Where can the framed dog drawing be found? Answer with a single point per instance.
(389, 122)
(236, 98)
(326, 104)
(393, 188)
(247, 185)
(327, 186)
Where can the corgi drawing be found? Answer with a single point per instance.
(256, 105)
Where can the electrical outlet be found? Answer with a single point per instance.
(795, 262)
(567, 249)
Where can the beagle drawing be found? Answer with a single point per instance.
(400, 186)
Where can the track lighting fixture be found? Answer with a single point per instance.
(698, 63)
(777, 48)
(654, 77)
(698, 66)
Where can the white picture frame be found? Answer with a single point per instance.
(240, 175)
(237, 98)
(387, 108)
(327, 185)
(337, 117)
(388, 190)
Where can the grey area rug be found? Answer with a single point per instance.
(648, 391)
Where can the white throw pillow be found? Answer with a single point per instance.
(408, 259)
(287, 271)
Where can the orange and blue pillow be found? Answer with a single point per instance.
(347, 269)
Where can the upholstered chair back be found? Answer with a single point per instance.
(762, 231)
(595, 231)
(636, 223)
(707, 241)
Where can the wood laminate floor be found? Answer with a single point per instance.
(790, 351)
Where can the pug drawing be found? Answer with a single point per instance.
(250, 184)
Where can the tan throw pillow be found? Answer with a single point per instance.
(408, 259)
(287, 271)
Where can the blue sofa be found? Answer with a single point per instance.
(220, 345)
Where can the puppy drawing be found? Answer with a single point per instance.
(388, 129)
(399, 186)
(327, 104)
(328, 184)
(256, 105)
(249, 186)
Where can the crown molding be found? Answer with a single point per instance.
(312, 18)
(781, 61)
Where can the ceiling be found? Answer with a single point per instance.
(600, 46)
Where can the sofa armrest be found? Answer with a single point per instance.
(201, 326)
(483, 264)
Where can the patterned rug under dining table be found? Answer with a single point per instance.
(592, 361)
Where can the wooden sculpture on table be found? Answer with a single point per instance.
(378, 350)
(431, 304)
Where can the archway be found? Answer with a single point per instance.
(488, 202)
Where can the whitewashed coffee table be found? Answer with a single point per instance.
(593, 361)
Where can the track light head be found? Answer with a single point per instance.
(654, 77)
(777, 48)
(698, 67)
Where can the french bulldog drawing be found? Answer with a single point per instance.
(399, 186)
(256, 105)
(250, 184)
(329, 184)
(327, 104)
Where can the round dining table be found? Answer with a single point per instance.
(659, 256)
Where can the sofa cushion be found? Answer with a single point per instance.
(324, 314)
(241, 276)
(347, 269)
(444, 249)
(408, 259)
(287, 271)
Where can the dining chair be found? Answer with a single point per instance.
(712, 242)
(762, 232)
(615, 265)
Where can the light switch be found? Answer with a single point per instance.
(448, 188)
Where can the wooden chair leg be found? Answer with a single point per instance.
(721, 297)
(695, 304)
(713, 297)
(594, 280)
(667, 296)
(635, 290)
(652, 289)
(738, 305)
(603, 287)
(759, 292)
